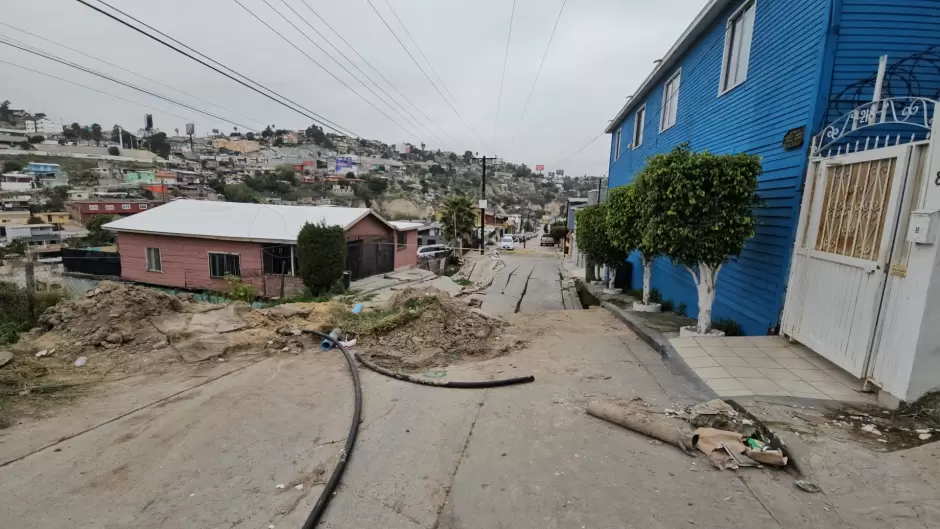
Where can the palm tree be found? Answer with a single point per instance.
(458, 217)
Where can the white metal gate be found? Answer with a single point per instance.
(849, 220)
(837, 276)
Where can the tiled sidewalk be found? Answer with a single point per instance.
(767, 365)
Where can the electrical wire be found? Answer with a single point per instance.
(300, 109)
(502, 80)
(415, 61)
(575, 153)
(130, 72)
(548, 47)
(410, 117)
(36, 51)
(101, 92)
(374, 69)
(314, 61)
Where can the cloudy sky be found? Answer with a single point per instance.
(602, 50)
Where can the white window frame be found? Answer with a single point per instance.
(209, 263)
(109, 207)
(725, 85)
(149, 252)
(125, 206)
(143, 206)
(639, 126)
(93, 207)
(618, 137)
(673, 110)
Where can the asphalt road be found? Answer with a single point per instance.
(524, 280)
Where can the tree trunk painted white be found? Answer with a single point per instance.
(612, 279)
(705, 283)
(647, 278)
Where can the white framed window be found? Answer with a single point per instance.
(617, 136)
(639, 125)
(224, 264)
(125, 206)
(109, 207)
(93, 207)
(154, 260)
(143, 206)
(738, 35)
(670, 102)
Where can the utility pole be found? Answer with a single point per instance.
(483, 205)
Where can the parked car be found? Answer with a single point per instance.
(547, 240)
(507, 243)
(434, 251)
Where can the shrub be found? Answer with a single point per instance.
(239, 290)
(114, 151)
(15, 316)
(594, 238)
(728, 326)
(321, 254)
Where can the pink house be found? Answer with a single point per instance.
(193, 244)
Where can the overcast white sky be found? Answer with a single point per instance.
(602, 51)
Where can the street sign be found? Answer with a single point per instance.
(539, 167)
(483, 203)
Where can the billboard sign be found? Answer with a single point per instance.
(344, 163)
(539, 167)
(190, 129)
(560, 172)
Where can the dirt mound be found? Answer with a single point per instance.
(423, 328)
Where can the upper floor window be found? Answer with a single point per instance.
(93, 207)
(738, 36)
(639, 124)
(109, 207)
(617, 136)
(670, 102)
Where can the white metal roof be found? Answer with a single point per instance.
(235, 221)
(401, 225)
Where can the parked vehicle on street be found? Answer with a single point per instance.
(547, 240)
(434, 251)
(507, 243)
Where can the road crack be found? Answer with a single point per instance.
(524, 289)
(508, 279)
(463, 452)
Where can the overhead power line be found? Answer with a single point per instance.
(525, 107)
(575, 153)
(314, 61)
(36, 51)
(502, 80)
(102, 92)
(389, 100)
(402, 44)
(374, 69)
(130, 72)
(258, 87)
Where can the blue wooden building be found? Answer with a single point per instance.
(763, 76)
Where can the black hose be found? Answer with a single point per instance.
(330, 487)
(425, 382)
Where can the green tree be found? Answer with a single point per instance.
(250, 136)
(458, 218)
(38, 138)
(363, 192)
(114, 151)
(467, 157)
(629, 217)
(350, 174)
(16, 247)
(96, 134)
(286, 173)
(97, 235)
(593, 238)
(12, 166)
(240, 193)
(321, 256)
(704, 213)
(267, 132)
(5, 111)
(160, 145)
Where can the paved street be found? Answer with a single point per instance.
(518, 457)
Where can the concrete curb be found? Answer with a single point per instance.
(654, 338)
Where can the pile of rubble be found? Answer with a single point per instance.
(421, 328)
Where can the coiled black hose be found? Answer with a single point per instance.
(461, 385)
(330, 487)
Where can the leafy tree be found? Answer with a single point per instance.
(33, 220)
(377, 185)
(15, 247)
(453, 157)
(12, 166)
(321, 256)
(36, 139)
(629, 220)
(267, 132)
(97, 235)
(437, 170)
(250, 136)
(458, 218)
(350, 174)
(467, 157)
(703, 213)
(240, 193)
(96, 134)
(594, 238)
(522, 172)
(5, 111)
(363, 192)
(558, 232)
(114, 151)
(286, 173)
(160, 145)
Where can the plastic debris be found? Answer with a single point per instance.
(299, 486)
(280, 486)
(922, 430)
(80, 361)
(44, 352)
(923, 436)
(348, 344)
(357, 308)
(870, 428)
(806, 486)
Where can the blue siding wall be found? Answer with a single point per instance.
(869, 29)
(780, 93)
